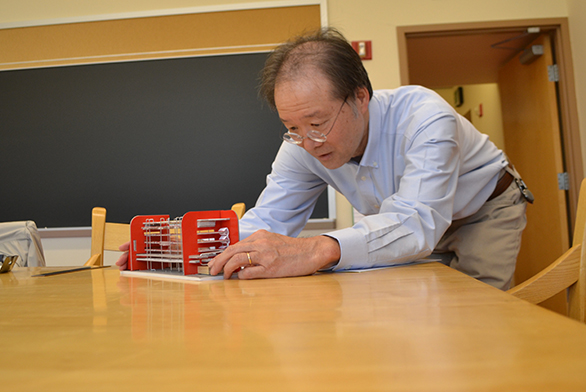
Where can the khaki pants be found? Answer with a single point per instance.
(486, 244)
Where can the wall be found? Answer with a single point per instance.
(71, 251)
(487, 95)
(374, 20)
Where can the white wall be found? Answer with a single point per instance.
(73, 251)
(490, 120)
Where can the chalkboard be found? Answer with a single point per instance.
(146, 137)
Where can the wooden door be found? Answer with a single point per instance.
(532, 142)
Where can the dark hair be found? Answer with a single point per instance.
(325, 50)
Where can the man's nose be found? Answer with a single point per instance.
(309, 144)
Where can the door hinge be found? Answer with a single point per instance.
(564, 181)
(553, 73)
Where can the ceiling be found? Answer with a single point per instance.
(450, 59)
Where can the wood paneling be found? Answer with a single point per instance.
(196, 34)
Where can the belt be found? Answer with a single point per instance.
(502, 184)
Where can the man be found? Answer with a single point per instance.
(423, 176)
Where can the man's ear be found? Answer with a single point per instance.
(362, 99)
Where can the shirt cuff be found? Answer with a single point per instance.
(353, 249)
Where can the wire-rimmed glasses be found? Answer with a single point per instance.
(316, 136)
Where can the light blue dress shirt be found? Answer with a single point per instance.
(424, 166)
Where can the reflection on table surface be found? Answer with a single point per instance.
(418, 328)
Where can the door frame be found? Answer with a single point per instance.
(568, 107)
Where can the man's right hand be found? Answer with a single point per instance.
(122, 262)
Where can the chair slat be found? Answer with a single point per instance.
(116, 235)
(552, 280)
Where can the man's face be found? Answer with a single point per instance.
(307, 104)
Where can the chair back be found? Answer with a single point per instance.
(239, 209)
(105, 236)
(567, 272)
(577, 290)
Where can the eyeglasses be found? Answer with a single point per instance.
(316, 136)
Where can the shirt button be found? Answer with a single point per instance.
(363, 178)
(376, 206)
(375, 164)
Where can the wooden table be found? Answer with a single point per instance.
(414, 328)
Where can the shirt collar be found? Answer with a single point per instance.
(372, 150)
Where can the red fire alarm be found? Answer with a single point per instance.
(363, 48)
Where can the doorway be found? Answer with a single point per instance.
(443, 56)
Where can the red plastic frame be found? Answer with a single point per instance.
(190, 237)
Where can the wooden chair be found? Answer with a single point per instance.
(105, 236)
(239, 209)
(567, 272)
(109, 236)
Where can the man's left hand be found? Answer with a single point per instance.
(269, 255)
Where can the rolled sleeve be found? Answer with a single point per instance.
(363, 247)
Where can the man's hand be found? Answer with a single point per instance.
(122, 262)
(274, 255)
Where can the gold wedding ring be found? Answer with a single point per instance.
(248, 255)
